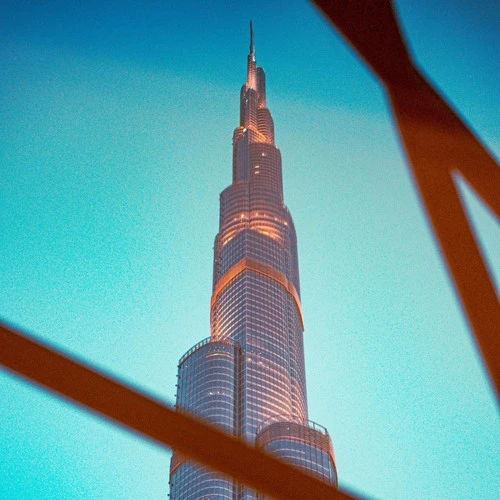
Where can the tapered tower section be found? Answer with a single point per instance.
(248, 378)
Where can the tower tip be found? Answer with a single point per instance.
(252, 47)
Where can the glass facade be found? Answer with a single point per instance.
(206, 387)
(251, 369)
(306, 445)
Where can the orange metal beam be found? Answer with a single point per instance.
(438, 144)
(157, 421)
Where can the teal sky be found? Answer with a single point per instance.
(115, 142)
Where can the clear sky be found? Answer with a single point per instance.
(115, 142)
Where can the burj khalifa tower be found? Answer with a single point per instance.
(248, 378)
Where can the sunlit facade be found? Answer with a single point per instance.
(248, 378)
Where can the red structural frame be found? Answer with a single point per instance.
(438, 145)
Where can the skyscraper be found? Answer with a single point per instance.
(248, 377)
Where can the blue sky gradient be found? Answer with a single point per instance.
(115, 142)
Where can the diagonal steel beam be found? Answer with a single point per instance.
(155, 420)
(438, 144)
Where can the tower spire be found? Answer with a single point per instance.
(252, 47)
